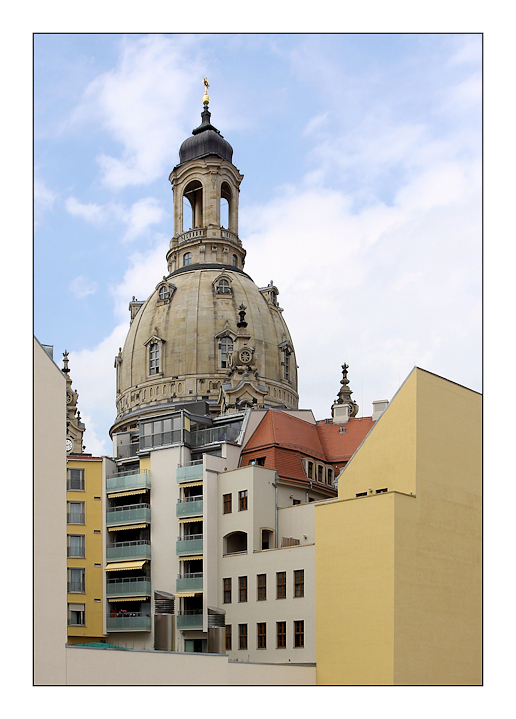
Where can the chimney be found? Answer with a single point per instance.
(379, 407)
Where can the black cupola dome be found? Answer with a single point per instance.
(205, 140)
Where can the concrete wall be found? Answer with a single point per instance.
(101, 667)
(49, 520)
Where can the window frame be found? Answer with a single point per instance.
(242, 636)
(187, 259)
(261, 635)
(299, 583)
(281, 636)
(281, 587)
(299, 633)
(82, 546)
(70, 514)
(261, 587)
(227, 503)
(228, 637)
(226, 345)
(70, 479)
(226, 590)
(243, 504)
(242, 589)
(80, 583)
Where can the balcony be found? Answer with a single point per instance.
(129, 622)
(214, 434)
(127, 450)
(189, 582)
(190, 471)
(128, 514)
(128, 480)
(140, 549)
(189, 545)
(133, 586)
(189, 507)
(189, 619)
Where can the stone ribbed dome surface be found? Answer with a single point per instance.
(188, 330)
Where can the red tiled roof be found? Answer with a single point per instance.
(339, 446)
(284, 430)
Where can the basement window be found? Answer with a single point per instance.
(362, 494)
(381, 491)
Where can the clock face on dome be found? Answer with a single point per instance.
(69, 444)
(245, 356)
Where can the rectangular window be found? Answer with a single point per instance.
(320, 473)
(299, 583)
(228, 637)
(262, 587)
(281, 585)
(242, 589)
(242, 636)
(242, 500)
(299, 634)
(281, 635)
(76, 580)
(154, 358)
(227, 503)
(227, 590)
(76, 615)
(381, 491)
(261, 635)
(362, 494)
(296, 501)
(75, 513)
(75, 480)
(311, 470)
(76, 546)
(329, 476)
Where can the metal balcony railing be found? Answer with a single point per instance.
(127, 514)
(138, 549)
(76, 587)
(189, 545)
(189, 582)
(76, 552)
(129, 622)
(129, 586)
(189, 507)
(128, 480)
(74, 518)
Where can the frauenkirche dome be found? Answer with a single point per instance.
(207, 332)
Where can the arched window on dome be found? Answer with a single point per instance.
(235, 260)
(225, 206)
(226, 349)
(187, 259)
(223, 287)
(192, 206)
(154, 358)
(163, 292)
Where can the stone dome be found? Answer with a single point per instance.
(213, 336)
(205, 140)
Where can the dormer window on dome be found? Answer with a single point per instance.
(187, 259)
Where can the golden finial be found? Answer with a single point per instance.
(206, 97)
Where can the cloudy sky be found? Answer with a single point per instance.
(361, 196)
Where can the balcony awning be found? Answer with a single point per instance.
(126, 494)
(186, 594)
(119, 566)
(186, 483)
(129, 599)
(127, 526)
(190, 559)
(186, 520)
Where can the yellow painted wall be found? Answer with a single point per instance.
(413, 562)
(354, 595)
(145, 463)
(93, 554)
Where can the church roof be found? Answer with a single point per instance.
(325, 441)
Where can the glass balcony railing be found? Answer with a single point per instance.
(129, 622)
(189, 545)
(128, 514)
(189, 472)
(127, 450)
(214, 434)
(191, 619)
(189, 582)
(190, 507)
(140, 549)
(128, 480)
(131, 586)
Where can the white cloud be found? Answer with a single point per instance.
(82, 287)
(91, 211)
(142, 104)
(44, 198)
(141, 215)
